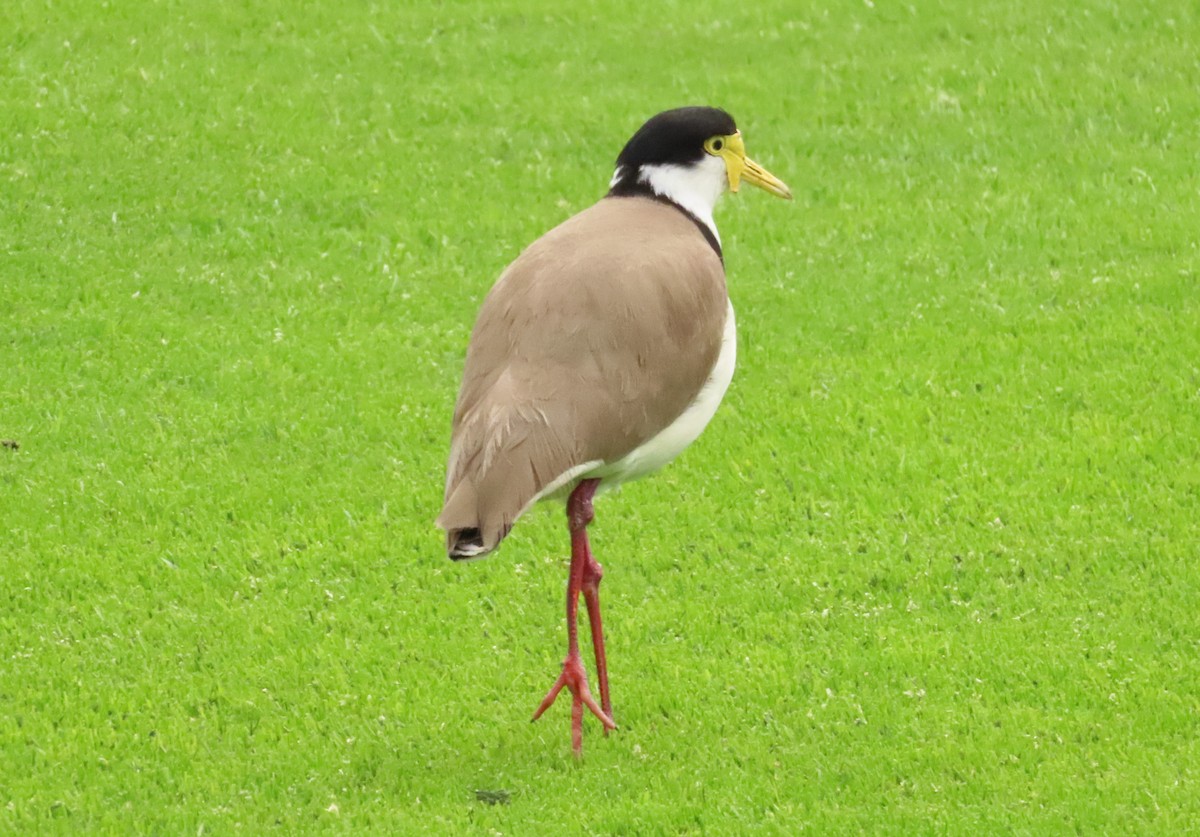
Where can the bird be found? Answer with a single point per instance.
(597, 357)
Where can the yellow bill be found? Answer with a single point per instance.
(732, 149)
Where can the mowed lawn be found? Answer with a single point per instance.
(932, 569)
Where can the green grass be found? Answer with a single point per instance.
(931, 569)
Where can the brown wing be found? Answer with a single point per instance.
(595, 339)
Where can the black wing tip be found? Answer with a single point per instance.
(465, 544)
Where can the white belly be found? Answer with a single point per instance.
(670, 442)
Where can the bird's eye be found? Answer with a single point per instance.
(713, 145)
(717, 145)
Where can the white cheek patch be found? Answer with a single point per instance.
(696, 187)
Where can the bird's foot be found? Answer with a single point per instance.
(574, 679)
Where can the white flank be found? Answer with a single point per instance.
(670, 442)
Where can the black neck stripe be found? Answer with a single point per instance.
(629, 188)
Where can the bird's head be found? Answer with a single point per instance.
(690, 155)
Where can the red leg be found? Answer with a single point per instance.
(579, 514)
(592, 573)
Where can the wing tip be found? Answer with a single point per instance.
(465, 544)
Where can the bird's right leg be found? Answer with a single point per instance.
(573, 677)
(592, 574)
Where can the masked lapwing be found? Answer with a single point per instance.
(598, 356)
